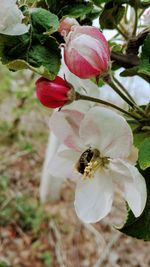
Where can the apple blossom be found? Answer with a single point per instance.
(54, 93)
(50, 186)
(95, 153)
(86, 52)
(11, 18)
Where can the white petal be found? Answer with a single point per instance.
(11, 19)
(65, 125)
(17, 29)
(136, 86)
(84, 86)
(108, 94)
(93, 198)
(133, 183)
(133, 157)
(107, 131)
(63, 164)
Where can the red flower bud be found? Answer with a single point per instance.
(86, 52)
(53, 94)
(66, 24)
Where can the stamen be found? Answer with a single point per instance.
(89, 162)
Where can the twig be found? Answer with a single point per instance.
(136, 41)
(126, 61)
(98, 237)
(6, 202)
(60, 256)
(107, 249)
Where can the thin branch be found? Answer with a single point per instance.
(122, 33)
(100, 101)
(123, 89)
(126, 61)
(135, 22)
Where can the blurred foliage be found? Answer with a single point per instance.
(18, 99)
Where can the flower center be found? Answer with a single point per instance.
(89, 162)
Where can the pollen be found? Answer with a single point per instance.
(89, 162)
(90, 170)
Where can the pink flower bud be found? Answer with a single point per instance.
(86, 52)
(66, 24)
(53, 94)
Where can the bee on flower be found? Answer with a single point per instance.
(97, 152)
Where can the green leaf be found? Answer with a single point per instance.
(144, 66)
(48, 56)
(78, 10)
(140, 227)
(73, 8)
(12, 47)
(99, 2)
(20, 64)
(44, 21)
(129, 72)
(53, 5)
(35, 51)
(115, 47)
(145, 49)
(144, 154)
(140, 137)
(143, 69)
(111, 15)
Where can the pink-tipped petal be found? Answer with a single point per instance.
(65, 125)
(86, 52)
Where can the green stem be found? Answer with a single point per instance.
(100, 101)
(123, 89)
(110, 82)
(136, 22)
(122, 33)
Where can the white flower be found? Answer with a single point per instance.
(11, 18)
(95, 153)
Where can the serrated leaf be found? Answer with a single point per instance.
(48, 56)
(44, 21)
(144, 154)
(140, 227)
